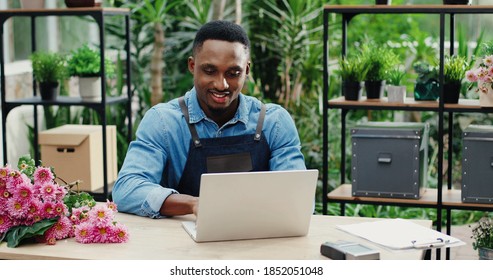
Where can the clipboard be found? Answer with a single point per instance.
(399, 234)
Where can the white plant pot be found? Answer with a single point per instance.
(396, 94)
(486, 98)
(32, 4)
(90, 88)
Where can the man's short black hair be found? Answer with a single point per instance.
(221, 30)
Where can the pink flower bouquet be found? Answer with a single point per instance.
(33, 206)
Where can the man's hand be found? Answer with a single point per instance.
(180, 204)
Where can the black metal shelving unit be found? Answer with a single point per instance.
(98, 14)
(446, 199)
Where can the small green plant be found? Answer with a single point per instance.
(454, 69)
(482, 234)
(395, 77)
(377, 60)
(48, 67)
(425, 71)
(352, 69)
(86, 62)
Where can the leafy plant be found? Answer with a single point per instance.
(395, 77)
(454, 69)
(482, 234)
(48, 67)
(352, 68)
(377, 60)
(425, 72)
(86, 62)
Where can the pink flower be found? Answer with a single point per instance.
(48, 191)
(111, 205)
(102, 234)
(24, 192)
(488, 60)
(5, 223)
(471, 76)
(100, 215)
(80, 215)
(43, 175)
(60, 230)
(48, 210)
(119, 234)
(84, 233)
(17, 208)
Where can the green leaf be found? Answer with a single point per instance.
(16, 234)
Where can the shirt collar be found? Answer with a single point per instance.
(197, 114)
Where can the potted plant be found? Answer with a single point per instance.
(427, 86)
(377, 61)
(48, 70)
(32, 4)
(482, 233)
(456, 2)
(481, 76)
(454, 69)
(396, 92)
(352, 72)
(85, 63)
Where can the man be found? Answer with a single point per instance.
(213, 128)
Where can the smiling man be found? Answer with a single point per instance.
(212, 128)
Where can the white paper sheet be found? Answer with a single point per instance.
(401, 234)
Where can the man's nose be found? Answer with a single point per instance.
(222, 83)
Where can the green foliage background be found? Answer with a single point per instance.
(287, 49)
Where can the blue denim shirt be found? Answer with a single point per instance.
(163, 139)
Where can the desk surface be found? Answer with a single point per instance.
(166, 239)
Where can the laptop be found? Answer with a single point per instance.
(252, 205)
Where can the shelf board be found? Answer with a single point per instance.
(464, 105)
(409, 9)
(343, 194)
(65, 101)
(65, 11)
(452, 199)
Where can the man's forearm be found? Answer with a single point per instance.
(179, 204)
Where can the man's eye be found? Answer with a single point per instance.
(234, 73)
(209, 71)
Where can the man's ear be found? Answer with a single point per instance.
(247, 71)
(191, 64)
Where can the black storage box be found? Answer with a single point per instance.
(477, 164)
(389, 159)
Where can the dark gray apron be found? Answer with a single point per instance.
(242, 153)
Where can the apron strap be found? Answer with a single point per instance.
(191, 127)
(260, 123)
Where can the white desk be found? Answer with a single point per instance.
(166, 239)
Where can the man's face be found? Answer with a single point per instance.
(219, 71)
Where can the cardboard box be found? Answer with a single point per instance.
(76, 153)
(389, 159)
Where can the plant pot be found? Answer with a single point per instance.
(451, 93)
(90, 88)
(48, 90)
(456, 2)
(80, 3)
(486, 98)
(352, 90)
(383, 2)
(427, 91)
(32, 4)
(374, 89)
(485, 253)
(396, 94)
